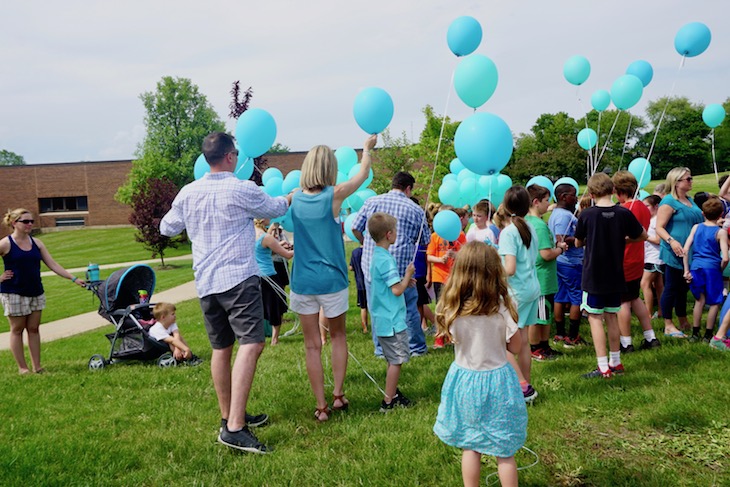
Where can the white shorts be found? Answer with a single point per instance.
(333, 304)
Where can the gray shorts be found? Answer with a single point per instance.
(237, 314)
(395, 348)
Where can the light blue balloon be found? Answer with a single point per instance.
(587, 138)
(341, 177)
(567, 180)
(483, 143)
(692, 39)
(450, 177)
(255, 132)
(366, 193)
(346, 158)
(600, 100)
(286, 221)
(201, 167)
(576, 70)
(626, 91)
(348, 226)
(354, 201)
(466, 174)
(475, 80)
(456, 166)
(464, 35)
(643, 194)
(504, 182)
(713, 115)
(544, 182)
(356, 169)
(449, 193)
(291, 181)
(447, 225)
(270, 173)
(469, 191)
(642, 70)
(273, 186)
(373, 110)
(244, 168)
(641, 169)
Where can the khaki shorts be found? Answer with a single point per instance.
(333, 304)
(17, 305)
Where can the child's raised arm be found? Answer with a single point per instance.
(343, 190)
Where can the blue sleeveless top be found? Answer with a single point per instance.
(678, 226)
(26, 267)
(319, 261)
(706, 248)
(263, 259)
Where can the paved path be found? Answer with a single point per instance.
(89, 321)
(82, 270)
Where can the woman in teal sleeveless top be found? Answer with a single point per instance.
(319, 273)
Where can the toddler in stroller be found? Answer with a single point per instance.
(165, 330)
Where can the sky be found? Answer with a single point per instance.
(72, 71)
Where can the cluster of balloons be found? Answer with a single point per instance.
(463, 186)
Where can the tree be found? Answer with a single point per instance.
(239, 104)
(278, 149)
(394, 155)
(8, 158)
(178, 117)
(148, 208)
(722, 140)
(428, 149)
(620, 149)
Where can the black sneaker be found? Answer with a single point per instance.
(252, 420)
(648, 345)
(628, 348)
(193, 361)
(398, 400)
(242, 440)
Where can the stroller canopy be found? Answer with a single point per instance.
(121, 289)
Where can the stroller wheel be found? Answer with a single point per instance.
(96, 362)
(166, 360)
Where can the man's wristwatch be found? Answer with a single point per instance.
(669, 240)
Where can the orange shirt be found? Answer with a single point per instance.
(438, 247)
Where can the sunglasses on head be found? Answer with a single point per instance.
(25, 221)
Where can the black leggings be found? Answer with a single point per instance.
(675, 293)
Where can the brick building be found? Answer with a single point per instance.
(82, 193)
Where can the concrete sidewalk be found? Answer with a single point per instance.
(74, 325)
(76, 270)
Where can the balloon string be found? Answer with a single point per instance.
(585, 119)
(436, 162)
(714, 161)
(626, 140)
(608, 139)
(598, 134)
(664, 111)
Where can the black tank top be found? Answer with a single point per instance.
(26, 267)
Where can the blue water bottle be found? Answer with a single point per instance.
(92, 272)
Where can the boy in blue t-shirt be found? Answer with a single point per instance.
(362, 301)
(388, 306)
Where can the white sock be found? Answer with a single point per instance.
(615, 359)
(625, 341)
(603, 364)
(649, 335)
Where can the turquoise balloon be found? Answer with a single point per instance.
(466, 174)
(475, 80)
(273, 186)
(544, 182)
(346, 158)
(356, 169)
(348, 226)
(366, 193)
(493, 188)
(291, 181)
(641, 169)
(201, 167)
(464, 35)
(449, 177)
(692, 39)
(447, 225)
(449, 193)
(373, 110)
(626, 91)
(643, 194)
(600, 100)
(567, 180)
(286, 221)
(469, 191)
(341, 177)
(270, 173)
(456, 166)
(504, 182)
(587, 138)
(713, 115)
(642, 70)
(483, 143)
(354, 201)
(255, 132)
(244, 168)
(576, 70)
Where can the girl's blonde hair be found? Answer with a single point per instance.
(500, 217)
(14, 215)
(319, 169)
(477, 285)
(673, 177)
(260, 223)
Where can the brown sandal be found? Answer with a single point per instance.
(340, 398)
(318, 412)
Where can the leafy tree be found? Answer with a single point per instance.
(279, 149)
(681, 140)
(620, 149)
(395, 154)
(8, 158)
(178, 117)
(426, 151)
(722, 141)
(148, 208)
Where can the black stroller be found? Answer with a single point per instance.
(119, 299)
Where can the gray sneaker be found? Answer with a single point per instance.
(719, 345)
(242, 440)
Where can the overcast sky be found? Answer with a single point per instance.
(72, 71)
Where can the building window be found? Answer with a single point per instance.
(69, 222)
(70, 203)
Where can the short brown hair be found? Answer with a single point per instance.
(216, 145)
(600, 185)
(537, 192)
(712, 208)
(625, 183)
(163, 309)
(380, 224)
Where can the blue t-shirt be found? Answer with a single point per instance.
(679, 225)
(524, 283)
(706, 248)
(356, 264)
(263, 258)
(319, 262)
(387, 310)
(562, 222)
